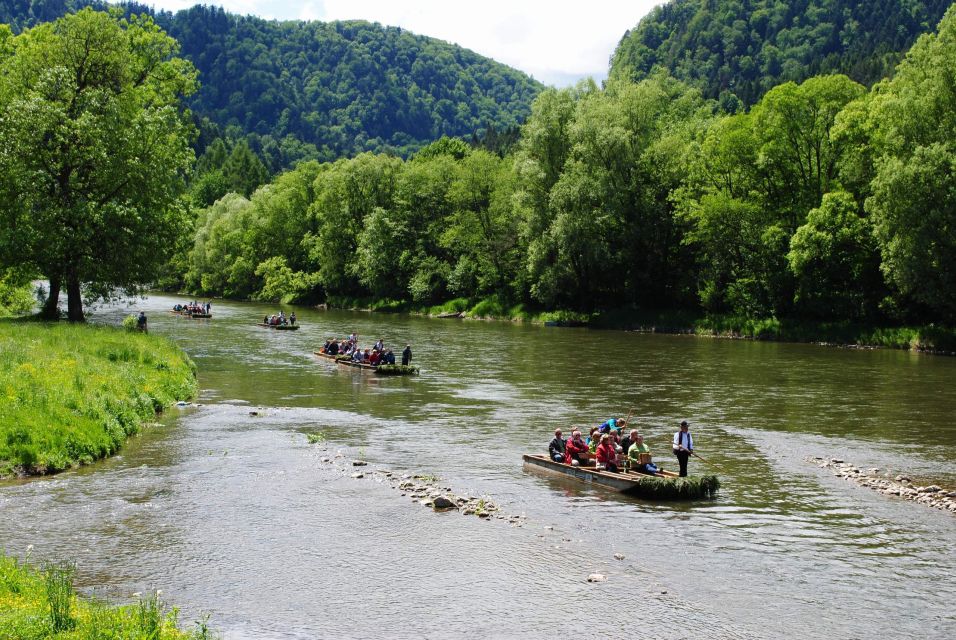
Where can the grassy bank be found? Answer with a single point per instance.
(71, 394)
(37, 605)
(926, 338)
(491, 308)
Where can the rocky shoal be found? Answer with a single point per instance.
(900, 485)
(422, 489)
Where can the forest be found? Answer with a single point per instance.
(737, 50)
(826, 201)
(295, 90)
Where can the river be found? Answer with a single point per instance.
(235, 515)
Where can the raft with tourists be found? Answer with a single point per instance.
(279, 327)
(381, 369)
(279, 322)
(665, 485)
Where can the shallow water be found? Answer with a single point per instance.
(236, 516)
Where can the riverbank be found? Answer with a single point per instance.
(72, 394)
(929, 339)
(43, 604)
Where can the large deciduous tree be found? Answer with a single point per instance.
(94, 149)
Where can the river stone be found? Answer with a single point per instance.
(618, 556)
(836, 460)
(359, 463)
(442, 502)
(597, 577)
(358, 474)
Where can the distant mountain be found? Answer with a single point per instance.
(344, 87)
(746, 47)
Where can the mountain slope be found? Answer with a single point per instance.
(746, 47)
(344, 87)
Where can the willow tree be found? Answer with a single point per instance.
(95, 147)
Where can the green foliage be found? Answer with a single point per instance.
(59, 596)
(96, 149)
(323, 90)
(690, 488)
(914, 189)
(395, 369)
(71, 395)
(42, 605)
(823, 204)
(16, 292)
(129, 322)
(834, 259)
(741, 49)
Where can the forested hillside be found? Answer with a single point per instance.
(325, 90)
(824, 202)
(747, 47)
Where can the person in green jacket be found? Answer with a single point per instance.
(638, 446)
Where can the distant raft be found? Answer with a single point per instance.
(279, 327)
(382, 369)
(634, 483)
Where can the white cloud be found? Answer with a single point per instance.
(556, 41)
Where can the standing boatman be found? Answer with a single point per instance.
(407, 355)
(683, 446)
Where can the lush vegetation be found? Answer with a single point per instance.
(71, 394)
(689, 488)
(824, 204)
(43, 605)
(737, 50)
(95, 153)
(298, 90)
(16, 292)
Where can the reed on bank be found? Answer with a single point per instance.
(71, 394)
(42, 604)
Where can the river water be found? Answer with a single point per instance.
(235, 515)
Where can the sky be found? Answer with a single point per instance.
(557, 41)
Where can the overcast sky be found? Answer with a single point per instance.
(556, 41)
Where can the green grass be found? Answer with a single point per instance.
(396, 369)
(72, 394)
(42, 605)
(926, 338)
(690, 488)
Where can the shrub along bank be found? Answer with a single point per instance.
(42, 604)
(71, 394)
(931, 338)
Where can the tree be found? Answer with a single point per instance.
(834, 259)
(96, 147)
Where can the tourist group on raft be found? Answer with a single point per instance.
(375, 356)
(609, 451)
(280, 319)
(192, 307)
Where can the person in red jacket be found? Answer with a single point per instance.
(575, 450)
(606, 454)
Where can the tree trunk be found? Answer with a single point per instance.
(74, 304)
(50, 310)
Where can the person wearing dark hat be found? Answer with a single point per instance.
(407, 355)
(683, 446)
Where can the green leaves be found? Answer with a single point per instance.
(96, 149)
